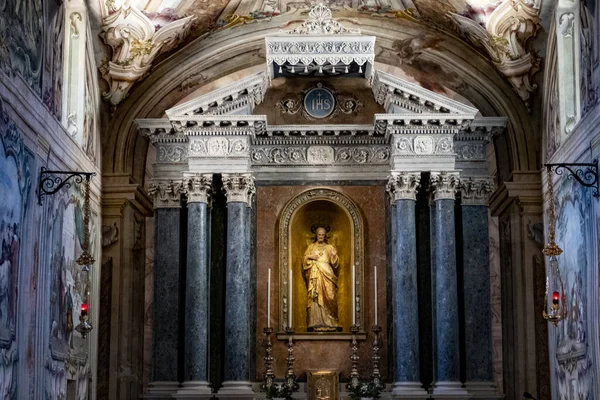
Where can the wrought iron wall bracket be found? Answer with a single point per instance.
(51, 182)
(584, 173)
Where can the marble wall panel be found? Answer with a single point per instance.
(496, 301)
(311, 354)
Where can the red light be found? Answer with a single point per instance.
(555, 297)
(84, 307)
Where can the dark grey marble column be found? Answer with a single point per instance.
(445, 289)
(198, 188)
(165, 320)
(477, 302)
(403, 189)
(239, 189)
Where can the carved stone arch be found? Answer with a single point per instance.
(242, 47)
(357, 258)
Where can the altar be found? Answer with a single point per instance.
(308, 223)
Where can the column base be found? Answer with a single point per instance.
(449, 390)
(236, 390)
(194, 390)
(408, 391)
(161, 390)
(482, 390)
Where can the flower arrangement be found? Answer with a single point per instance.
(278, 391)
(362, 390)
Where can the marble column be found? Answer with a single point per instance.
(402, 188)
(195, 385)
(445, 289)
(476, 287)
(239, 189)
(165, 320)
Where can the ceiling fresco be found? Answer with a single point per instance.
(499, 29)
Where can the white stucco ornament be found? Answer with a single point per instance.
(135, 43)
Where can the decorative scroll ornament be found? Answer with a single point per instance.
(135, 43)
(239, 188)
(444, 184)
(322, 23)
(198, 188)
(509, 28)
(166, 194)
(403, 185)
(476, 191)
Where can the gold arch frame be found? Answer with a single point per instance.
(357, 226)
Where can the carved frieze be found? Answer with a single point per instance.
(219, 146)
(444, 185)
(239, 188)
(320, 155)
(476, 191)
(172, 153)
(470, 151)
(198, 188)
(422, 145)
(166, 194)
(403, 185)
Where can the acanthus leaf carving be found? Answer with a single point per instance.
(135, 43)
(403, 185)
(444, 184)
(239, 188)
(476, 191)
(166, 194)
(198, 188)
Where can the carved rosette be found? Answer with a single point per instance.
(403, 185)
(166, 194)
(239, 188)
(444, 185)
(198, 188)
(476, 191)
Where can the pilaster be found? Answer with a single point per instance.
(518, 204)
(125, 207)
(166, 313)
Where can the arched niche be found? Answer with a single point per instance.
(320, 206)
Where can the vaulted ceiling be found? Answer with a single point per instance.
(137, 34)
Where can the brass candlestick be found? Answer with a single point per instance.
(269, 375)
(290, 376)
(354, 376)
(376, 375)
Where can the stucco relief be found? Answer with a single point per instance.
(317, 155)
(218, 147)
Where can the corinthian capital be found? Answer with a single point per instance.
(444, 185)
(166, 194)
(476, 191)
(403, 185)
(239, 187)
(198, 188)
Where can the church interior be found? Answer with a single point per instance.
(300, 199)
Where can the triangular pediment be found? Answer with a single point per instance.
(401, 100)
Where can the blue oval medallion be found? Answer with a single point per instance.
(319, 102)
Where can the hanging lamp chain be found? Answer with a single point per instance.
(551, 248)
(86, 258)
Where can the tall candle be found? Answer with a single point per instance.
(353, 279)
(290, 298)
(269, 300)
(375, 274)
